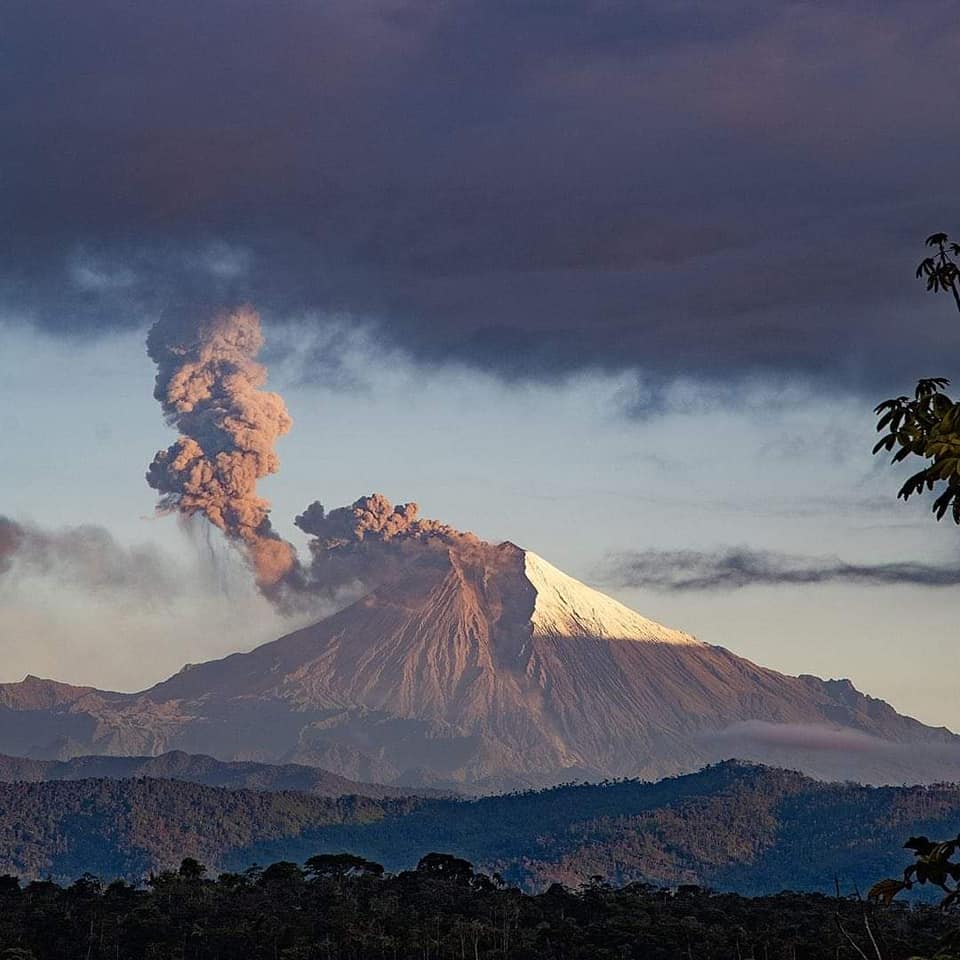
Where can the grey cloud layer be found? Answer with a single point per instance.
(739, 567)
(524, 187)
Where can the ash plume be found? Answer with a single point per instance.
(371, 541)
(375, 519)
(210, 387)
(11, 539)
(86, 557)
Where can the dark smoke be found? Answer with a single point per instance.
(86, 557)
(739, 567)
(372, 518)
(209, 384)
(11, 539)
(369, 543)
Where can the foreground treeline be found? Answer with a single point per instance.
(339, 907)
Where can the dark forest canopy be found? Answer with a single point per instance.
(343, 907)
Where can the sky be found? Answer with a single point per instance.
(619, 282)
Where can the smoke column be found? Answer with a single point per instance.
(209, 385)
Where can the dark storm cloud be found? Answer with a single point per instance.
(526, 187)
(739, 567)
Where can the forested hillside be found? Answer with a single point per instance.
(732, 826)
(128, 828)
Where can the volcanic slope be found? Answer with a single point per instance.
(487, 668)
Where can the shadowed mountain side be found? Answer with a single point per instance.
(486, 667)
(196, 769)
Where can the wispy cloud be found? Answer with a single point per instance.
(736, 567)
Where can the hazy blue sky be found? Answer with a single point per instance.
(560, 469)
(597, 277)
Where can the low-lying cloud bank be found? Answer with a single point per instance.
(737, 567)
(804, 736)
(834, 754)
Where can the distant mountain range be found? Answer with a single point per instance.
(732, 826)
(237, 775)
(488, 669)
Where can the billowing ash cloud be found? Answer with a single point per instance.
(210, 387)
(738, 567)
(369, 542)
(372, 519)
(86, 557)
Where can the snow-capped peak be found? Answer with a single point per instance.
(567, 607)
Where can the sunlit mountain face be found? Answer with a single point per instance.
(484, 667)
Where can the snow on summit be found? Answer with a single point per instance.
(566, 607)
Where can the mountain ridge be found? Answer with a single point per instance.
(197, 768)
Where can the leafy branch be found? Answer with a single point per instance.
(941, 269)
(935, 864)
(927, 425)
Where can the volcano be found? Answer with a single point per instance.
(486, 667)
